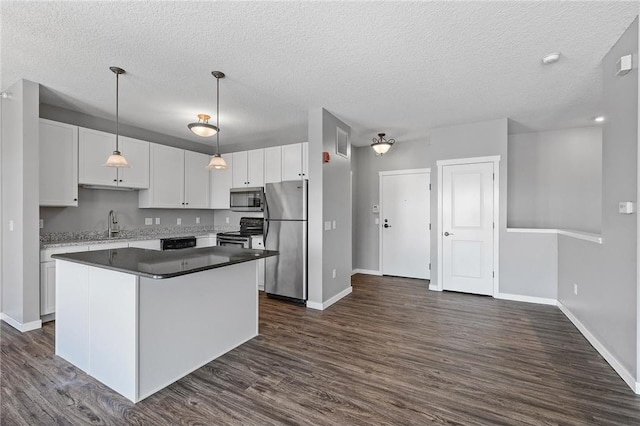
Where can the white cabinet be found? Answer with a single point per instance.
(257, 243)
(94, 149)
(206, 240)
(108, 246)
(146, 244)
(273, 164)
(248, 168)
(221, 181)
(196, 180)
(47, 287)
(48, 276)
(178, 179)
(58, 164)
(295, 159)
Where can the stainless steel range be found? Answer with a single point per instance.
(249, 227)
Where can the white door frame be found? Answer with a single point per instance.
(391, 173)
(495, 159)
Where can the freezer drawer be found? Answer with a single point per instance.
(286, 274)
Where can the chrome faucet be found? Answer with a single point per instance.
(112, 225)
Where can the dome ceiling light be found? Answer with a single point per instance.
(382, 145)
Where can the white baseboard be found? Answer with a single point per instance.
(613, 362)
(434, 287)
(528, 299)
(21, 327)
(334, 299)
(366, 272)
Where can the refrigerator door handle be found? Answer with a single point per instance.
(266, 219)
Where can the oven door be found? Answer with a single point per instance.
(234, 242)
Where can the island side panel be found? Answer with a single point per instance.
(72, 313)
(187, 321)
(113, 310)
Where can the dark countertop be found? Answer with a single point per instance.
(165, 264)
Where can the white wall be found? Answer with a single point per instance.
(606, 303)
(555, 179)
(20, 198)
(329, 200)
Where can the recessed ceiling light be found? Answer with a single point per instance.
(551, 58)
(599, 119)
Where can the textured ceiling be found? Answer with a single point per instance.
(398, 67)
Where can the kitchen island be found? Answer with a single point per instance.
(138, 320)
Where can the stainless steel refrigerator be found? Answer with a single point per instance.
(286, 232)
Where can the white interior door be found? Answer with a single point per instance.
(467, 228)
(405, 217)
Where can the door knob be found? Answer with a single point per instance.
(386, 225)
(446, 234)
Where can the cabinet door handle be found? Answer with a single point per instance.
(115, 180)
(75, 199)
(120, 180)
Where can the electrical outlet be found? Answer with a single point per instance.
(157, 221)
(179, 221)
(197, 220)
(41, 223)
(376, 221)
(333, 224)
(575, 289)
(327, 225)
(226, 219)
(10, 225)
(148, 221)
(334, 273)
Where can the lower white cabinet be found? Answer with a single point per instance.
(146, 244)
(48, 277)
(47, 287)
(257, 243)
(108, 246)
(206, 240)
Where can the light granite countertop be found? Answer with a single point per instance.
(64, 239)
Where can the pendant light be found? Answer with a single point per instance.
(382, 145)
(217, 162)
(202, 127)
(116, 159)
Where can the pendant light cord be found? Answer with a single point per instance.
(218, 115)
(117, 112)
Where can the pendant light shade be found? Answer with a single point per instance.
(382, 145)
(202, 127)
(116, 159)
(217, 162)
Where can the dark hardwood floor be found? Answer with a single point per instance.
(390, 353)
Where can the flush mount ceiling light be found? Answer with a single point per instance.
(202, 127)
(217, 162)
(551, 58)
(598, 119)
(382, 145)
(116, 159)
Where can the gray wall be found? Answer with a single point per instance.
(366, 193)
(20, 198)
(555, 179)
(606, 274)
(220, 218)
(94, 205)
(329, 199)
(102, 124)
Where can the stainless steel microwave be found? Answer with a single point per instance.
(247, 199)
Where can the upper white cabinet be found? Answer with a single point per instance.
(94, 149)
(295, 158)
(221, 181)
(196, 180)
(178, 179)
(273, 164)
(248, 168)
(58, 164)
(166, 178)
